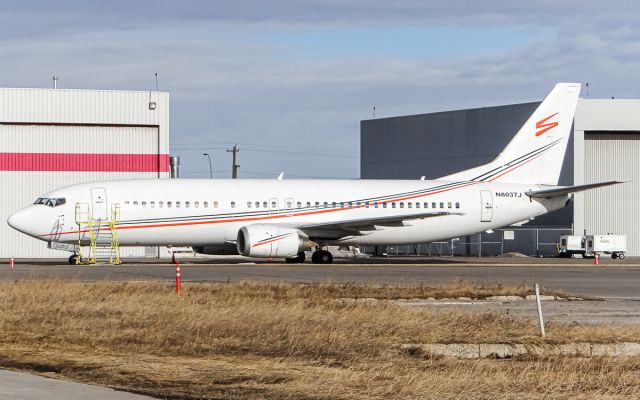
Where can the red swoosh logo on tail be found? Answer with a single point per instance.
(544, 126)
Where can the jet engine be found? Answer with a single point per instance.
(262, 240)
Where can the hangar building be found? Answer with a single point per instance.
(51, 138)
(605, 145)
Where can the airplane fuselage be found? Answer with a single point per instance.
(210, 212)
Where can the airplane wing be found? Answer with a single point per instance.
(564, 190)
(355, 227)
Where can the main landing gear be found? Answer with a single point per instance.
(299, 259)
(321, 257)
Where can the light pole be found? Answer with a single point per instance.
(210, 167)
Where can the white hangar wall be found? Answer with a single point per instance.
(607, 147)
(51, 138)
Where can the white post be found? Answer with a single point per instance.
(539, 311)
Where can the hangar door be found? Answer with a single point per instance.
(613, 209)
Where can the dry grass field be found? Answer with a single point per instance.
(285, 341)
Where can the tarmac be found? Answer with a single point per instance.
(22, 386)
(610, 279)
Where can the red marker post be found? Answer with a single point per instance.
(595, 259)
(178, 278)
(11, 263)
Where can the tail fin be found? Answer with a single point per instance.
(536, 153)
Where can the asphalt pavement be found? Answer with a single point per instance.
(610, 279)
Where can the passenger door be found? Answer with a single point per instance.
(99, 204)
(486, 206)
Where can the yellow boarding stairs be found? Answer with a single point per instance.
(104, 247)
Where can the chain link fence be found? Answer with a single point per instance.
(528, 241)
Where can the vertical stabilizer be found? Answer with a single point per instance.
(536, 152)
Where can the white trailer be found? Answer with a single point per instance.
(616, 245)
(570, 245)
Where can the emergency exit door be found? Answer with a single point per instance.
(486, 206)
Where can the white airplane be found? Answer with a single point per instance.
(283, 218)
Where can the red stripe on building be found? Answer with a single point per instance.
(84, 162)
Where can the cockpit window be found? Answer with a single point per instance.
(54, 202)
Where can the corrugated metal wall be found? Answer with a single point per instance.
(53, 138)
(614, 209)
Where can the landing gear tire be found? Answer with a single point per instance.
(614, 256)
(299, 259)
(621, 256)
(73, 259)
(322, 257)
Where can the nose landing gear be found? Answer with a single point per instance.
(73, 259)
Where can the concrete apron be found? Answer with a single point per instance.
(503, 350)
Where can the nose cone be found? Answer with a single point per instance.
(20, 221)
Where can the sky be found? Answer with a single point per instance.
(290, 80)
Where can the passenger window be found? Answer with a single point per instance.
(273, 204)
(308, 204)
(135, 203)
(144, 204)
(401, 205)
(433, 205)
(289, 204)
(366, 204)
(426, 205)
(177, 204)
(257, 204)
(169, 204)
(457, 205)
(215, 204)
(264, 204)
(449, 205)
(233, 204)
(342, 204)
(187, 204)
(393, 205)
(417, 204)
(248, 204)
(161, 204)
(196, 204)
(441, 205)
(317, 204)
(384, 205)
(205, 204)
(333, 204)
(409, 204)
(351, 204)
(152, 203)
(326, 204)
(299, 204)
(375, 204)
(126, 203)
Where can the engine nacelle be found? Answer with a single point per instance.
(262, 240)
(217, 249)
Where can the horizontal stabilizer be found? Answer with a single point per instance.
(565, 190)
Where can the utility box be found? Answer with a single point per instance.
(570, 245)
(616, 245)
